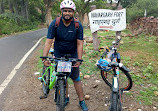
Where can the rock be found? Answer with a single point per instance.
(124, 107)
(86, 77)
(89, 39)
(87, 97)
(154, 108)
(81, 74)
(121, 42)
(156, 93)
(84, 42)
(130, 110)
(95, 86)
(37, 73)
(105, 105)
(97, 81)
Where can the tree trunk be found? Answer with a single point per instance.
(48, 5)
(43, 15)
(27, 10)
(23, 8)
(48, 16)
(81, 17)
(1, 7)
(11, 6)
(16, 7)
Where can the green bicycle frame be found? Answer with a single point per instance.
(52, 77)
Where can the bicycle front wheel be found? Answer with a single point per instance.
(60, 96)
(125, 80)
(114, 102)
(45, 80)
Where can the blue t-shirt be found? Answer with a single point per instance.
(65, 37)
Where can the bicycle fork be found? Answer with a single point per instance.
(57, 91)
(115, 87)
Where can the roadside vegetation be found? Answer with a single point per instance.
(20, 15)
(139, 53)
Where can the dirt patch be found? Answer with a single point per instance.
(26, 91)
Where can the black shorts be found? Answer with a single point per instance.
(75, 73)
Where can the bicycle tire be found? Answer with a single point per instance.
(46, 78)
(114, 102)
(109, 83)
(60, 96)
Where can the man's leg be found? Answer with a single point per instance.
(79, 90)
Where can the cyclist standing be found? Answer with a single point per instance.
(67, 40)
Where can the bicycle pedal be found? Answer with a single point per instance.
(43, 97)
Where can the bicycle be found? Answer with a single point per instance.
(110, 73)
(63, 68)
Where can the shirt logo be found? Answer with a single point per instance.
(70, 31)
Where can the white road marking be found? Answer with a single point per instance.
(13, 72)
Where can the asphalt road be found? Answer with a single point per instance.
(13, 48)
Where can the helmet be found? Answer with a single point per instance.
(103, 65)
(67, 4)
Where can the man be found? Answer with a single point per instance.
(68, 40)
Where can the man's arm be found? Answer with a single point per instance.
(79, 48)
(47, 46)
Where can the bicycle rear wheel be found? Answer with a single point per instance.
(125, 80)
(45, 80)
(60, 96)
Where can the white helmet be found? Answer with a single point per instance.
(67, 4)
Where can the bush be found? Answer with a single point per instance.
(11, 23)
(137, 9)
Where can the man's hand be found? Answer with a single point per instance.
(46, 63)
(77, 64)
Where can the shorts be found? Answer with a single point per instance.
(74, 75)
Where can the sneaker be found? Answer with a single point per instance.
(66, 101)
(83, 105)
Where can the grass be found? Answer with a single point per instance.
(140, 54)
(3, 35)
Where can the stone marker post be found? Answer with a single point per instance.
(96, 42)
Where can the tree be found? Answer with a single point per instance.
(11, 6)
(48, 6)
(83, 6)
(1, 6)
(126, 3)
(137, 9)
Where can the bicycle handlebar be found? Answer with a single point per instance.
(62, 59)
(120, 65)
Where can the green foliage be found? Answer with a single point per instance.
(147, 95)
(148, 71)
(126, 60)
(100, 4)
(126, 3)
(56, 10)
(136, 64)
(11, 23)
(137, 9)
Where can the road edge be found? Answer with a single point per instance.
(13, 72)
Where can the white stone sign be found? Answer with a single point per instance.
(105, 19)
